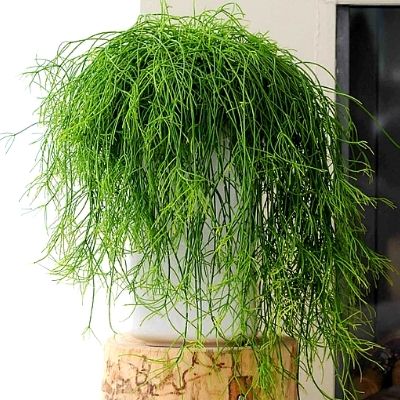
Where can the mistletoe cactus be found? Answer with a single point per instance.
(193, 131)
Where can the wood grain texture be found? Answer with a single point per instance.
(396, 373)
(370, 383)
(135, 371)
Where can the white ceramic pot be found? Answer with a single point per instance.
(171, 330)
(190, 323)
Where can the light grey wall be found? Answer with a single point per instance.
(307, 27)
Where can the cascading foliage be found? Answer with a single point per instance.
(195, 131)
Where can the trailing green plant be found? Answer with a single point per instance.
(193, 130)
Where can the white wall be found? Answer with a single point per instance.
(43, 354)
(307, 27)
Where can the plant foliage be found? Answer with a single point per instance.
(193, 130)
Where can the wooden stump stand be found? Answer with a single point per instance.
(135, 371)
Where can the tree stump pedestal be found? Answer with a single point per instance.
(135, 371)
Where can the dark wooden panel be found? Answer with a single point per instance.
(363, 81)
(368, 68)
(362, 84)
(388, 176)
